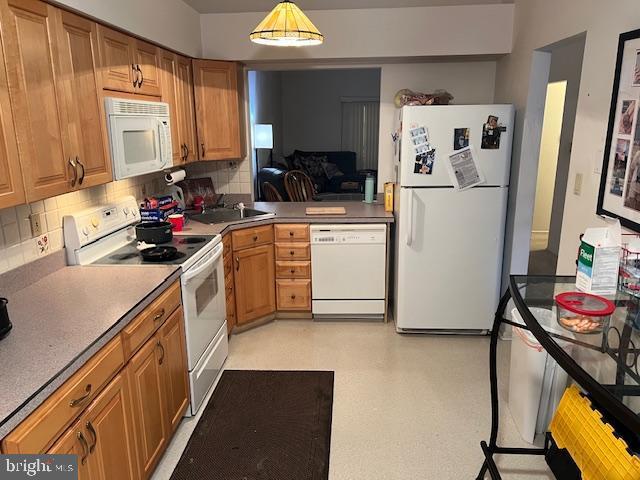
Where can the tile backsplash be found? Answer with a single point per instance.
(18, 246)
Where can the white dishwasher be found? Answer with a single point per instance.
(348, 270)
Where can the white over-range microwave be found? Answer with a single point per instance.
(139, 136)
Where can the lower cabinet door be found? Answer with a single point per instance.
(74, 442)
(107, 425)
(149, 412)
(254, 278)
(174, 369)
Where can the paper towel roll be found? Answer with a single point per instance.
(175, 177)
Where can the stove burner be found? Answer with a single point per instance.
(191, 240)
(123, 256)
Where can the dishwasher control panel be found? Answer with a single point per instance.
(348, 234)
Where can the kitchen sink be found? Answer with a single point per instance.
(223, 215)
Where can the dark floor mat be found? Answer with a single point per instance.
(263, 425)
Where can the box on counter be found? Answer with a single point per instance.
(158, 209)
(599, 260)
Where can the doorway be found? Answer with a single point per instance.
(541, 259)
(560, 105)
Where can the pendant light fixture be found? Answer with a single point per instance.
(286, 26)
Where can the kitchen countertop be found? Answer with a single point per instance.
(52, 339)
(60, 321)
(294, 212)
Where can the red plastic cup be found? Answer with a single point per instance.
(198, 203)
(177, 222)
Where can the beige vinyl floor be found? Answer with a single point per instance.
(405, 406)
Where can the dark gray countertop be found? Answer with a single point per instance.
(294, 212)
(64, 315)
(60, 321)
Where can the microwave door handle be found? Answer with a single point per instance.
(190, 274)
(163, 128)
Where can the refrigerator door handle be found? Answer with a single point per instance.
(409, 239)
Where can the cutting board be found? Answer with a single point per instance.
(326, 211)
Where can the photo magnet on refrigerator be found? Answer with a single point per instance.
(491, 133)
(460, 138)
(424, 162)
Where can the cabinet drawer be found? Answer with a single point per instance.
(40, 429)
(143, 326)
(293, 269)
(251, 237)
(294, 294)
(292, 232)
(293, 251)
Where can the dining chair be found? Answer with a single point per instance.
(271, 193)
(299, 186)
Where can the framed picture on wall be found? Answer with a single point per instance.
(619, 195)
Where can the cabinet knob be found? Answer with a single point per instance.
(255, 238)
(291, 234)
(293, 270)
(293, 297)
(292, 252)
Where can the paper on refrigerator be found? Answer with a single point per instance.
(464, 170)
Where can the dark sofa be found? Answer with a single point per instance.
(331, 172)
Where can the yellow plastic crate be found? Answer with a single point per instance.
(595, 449)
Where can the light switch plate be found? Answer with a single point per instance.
(36, 224)
(577, 184)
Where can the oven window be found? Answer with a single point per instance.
(207, 291)
(139, 146)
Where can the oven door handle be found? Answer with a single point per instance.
(190, 274)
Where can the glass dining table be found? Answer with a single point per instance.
(606, 365)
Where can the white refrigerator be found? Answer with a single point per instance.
(449, 242)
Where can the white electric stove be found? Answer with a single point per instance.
(105, 235)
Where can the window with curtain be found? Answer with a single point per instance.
(360, 128)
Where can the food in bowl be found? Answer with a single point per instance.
(581, 312)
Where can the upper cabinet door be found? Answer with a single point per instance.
(11, 186)
(217, 109)
(117, 60)
(29, 30)
(186, 110)
(83, 94)
(168, 70)
(147, 60)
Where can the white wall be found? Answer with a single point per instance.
(542, 23)
(548, 163)
(372, 33)
(469, 82)
(265, 96)
(312, 108)
(171, 23)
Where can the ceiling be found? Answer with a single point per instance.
(235, 6)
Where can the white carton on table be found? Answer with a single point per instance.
(599, 260)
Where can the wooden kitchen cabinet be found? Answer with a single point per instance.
(174, 369)
(254, 280)
(74, 442)
(293, 267)
(169, 72)
(218, 111)
(109, 430)
(11, 185)
(147, 60)
(149, 410)
(30, 30)
(186, 109)
(128, 65)
(78, 48)
(117, 62)
(294, 294)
